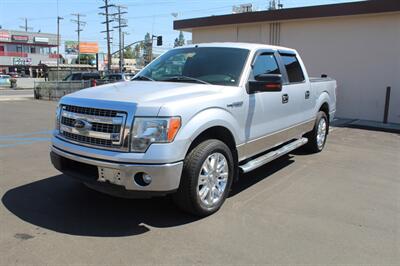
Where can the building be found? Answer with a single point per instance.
(356, 43)
(23, 52)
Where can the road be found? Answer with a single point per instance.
(15, 95)
(337, 207)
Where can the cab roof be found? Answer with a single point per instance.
(242, 45)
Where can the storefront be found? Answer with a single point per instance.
(22, 52)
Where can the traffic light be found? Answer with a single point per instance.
(159, 40)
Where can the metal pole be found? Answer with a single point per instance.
(120, 39)
(58, 47)
(108, 38)
(79, 39)
(123, 54)
(387, 103)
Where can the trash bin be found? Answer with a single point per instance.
(13, 83)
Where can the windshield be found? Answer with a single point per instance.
(214, 65)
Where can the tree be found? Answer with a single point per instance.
(87, 59)
(180, 41)
(129, 53)
(148, 47)
(138, 47)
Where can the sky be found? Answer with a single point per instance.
(153, 16)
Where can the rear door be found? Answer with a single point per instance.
(300, 99)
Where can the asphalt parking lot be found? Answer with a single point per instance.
(341, 206)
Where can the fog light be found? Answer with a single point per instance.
(147, 178)
(142, 179)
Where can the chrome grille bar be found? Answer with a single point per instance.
(91, 118)
(89, 133)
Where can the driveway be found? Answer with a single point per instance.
(337, 207)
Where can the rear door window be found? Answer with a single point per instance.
(76, 76)
(293, 68)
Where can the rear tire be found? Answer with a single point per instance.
(317, 137)
(207, 176)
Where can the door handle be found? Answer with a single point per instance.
(285, 98)
(307, 95)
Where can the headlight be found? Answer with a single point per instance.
(57, 122)
(148, 130)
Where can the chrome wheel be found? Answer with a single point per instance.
(213, 178)
(321, 133)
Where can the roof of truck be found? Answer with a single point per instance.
(242, 45)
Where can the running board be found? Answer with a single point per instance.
(266, 158)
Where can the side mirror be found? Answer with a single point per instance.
(265, 82)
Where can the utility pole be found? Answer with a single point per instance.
(107, 31)
(123, 47)
(58, 46)
(25, 27)
(121, 24)
(79, 24)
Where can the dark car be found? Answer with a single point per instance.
(82, 76)
(119, 76)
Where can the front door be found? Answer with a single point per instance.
(268, 112)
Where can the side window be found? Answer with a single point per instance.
(293, 68)
(265, 64)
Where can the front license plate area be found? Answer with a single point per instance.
(109, 175)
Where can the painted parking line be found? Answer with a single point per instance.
(24, 139)
(48, 132)
(21, 143)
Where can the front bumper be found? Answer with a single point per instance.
(165, 177)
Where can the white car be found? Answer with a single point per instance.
(5, 80)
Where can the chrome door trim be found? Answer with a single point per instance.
(256, 146)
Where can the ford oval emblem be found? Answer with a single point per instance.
(82, 125)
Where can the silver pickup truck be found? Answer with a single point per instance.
(191, 122)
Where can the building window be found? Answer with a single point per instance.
(293, 68)
(265, 64)
(11, 48)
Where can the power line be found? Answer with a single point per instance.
(79, 24)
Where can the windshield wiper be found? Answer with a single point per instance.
(185, 78)
(143, 78)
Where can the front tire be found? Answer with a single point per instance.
(317, 137)
(207, 176)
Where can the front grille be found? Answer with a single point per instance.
(87, 140)
(90, 111)
(102, 128)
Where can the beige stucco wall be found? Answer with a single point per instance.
(361, 52)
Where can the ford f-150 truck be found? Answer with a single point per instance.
(191, 122)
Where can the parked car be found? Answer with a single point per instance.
(5, 80)
(119, 76)
(191, 122)
(82, 76)
(14, 74)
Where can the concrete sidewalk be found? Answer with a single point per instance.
(366, 124)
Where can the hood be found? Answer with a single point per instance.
(144, 97)
(145, 92)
